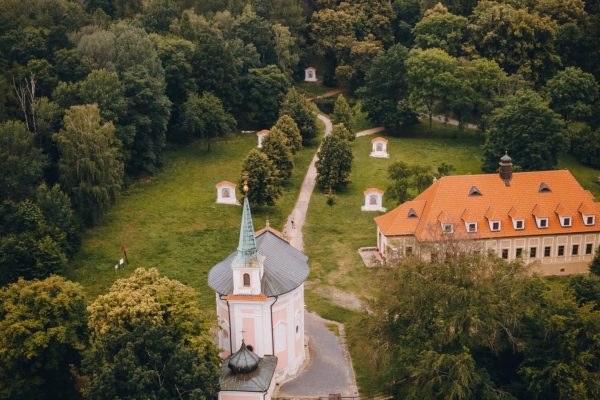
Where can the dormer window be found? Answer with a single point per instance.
(472, 227)
(589, 220)
(495, 226)
(542, 223)
(544, 188)
(246, 280)
(412, 213)
(565, 222)
(474, 191)
(519, 224)
(447, 228)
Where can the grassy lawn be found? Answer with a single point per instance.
(171, 221)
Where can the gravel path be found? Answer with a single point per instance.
(295, 221)
(371, 131)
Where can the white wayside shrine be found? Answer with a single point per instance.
(259, 290)
(226, 193)
(261, 135)
(373, 200)
(310, 74)
(379, 149)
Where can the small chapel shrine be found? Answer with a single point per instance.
(259, 291)
(379, 149)
(373, 200)
(226, 193)
(310, 74)
(261, 135)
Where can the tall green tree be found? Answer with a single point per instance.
(296, 106)
(528, 129)
(56, 208)
(263, 179)
(22, 163)
(204, 117)
(90, 165)
(42, 333)
(342, 113)
(430, 74)
(265, 90)
(334, 162)
(595, 265)
(150, 339)
(286, 125)
(573, 94)
(386, 88)
(277, 149)
(441, 29)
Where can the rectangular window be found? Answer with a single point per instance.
(588, 248)
(547, 251)
(495, 226)
(408, 250)
(519, 253)
(566, 221)
(561, 251)
(589, 220)
(519, 224)
(543, 223)
(505, 253)
(472, 227)
(533, 252)
(575, 250)
(447, 228)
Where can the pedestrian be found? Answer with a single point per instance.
(293, 224)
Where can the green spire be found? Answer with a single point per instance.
(247, 245)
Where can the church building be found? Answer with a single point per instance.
(260, 307)
(544, 218)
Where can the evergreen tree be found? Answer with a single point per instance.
(286, 125)
(42, 332)
(342, 113)
(263, 179)
(341, 130)
(334, 162)
(296, 106)
(277, 149)
(91, 170)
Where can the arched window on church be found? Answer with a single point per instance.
(246, 280)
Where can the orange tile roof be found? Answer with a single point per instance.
(373, 190)
(563, 211)
(515, 213)
(379, 139)
(222, 183)
(450, 194)
(467, 216)
(262, 132)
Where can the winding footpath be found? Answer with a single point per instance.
(329, 368)
(295, 221)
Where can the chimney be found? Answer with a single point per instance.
(506, 169)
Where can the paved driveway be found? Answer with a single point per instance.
(330, 368)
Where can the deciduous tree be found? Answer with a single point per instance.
(296, 106)
(342, 113)
(42, 332)
(277, 149)
(204, 117)
(90, 165)
(263, 179)
(266, 89)
(441, 29)
(286, 125)
(573, 94)
(334, 162)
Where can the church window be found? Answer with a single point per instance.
(246, 280)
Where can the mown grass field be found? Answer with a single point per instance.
(171, 221)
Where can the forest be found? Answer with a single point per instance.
(93, 92)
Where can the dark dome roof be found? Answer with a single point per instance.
(243, 361)
(506, 158)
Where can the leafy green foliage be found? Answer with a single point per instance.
(296, 106)
(277, 149)
(266, 89)
(263, 179)
(573, 94)
(22, 163)
(204, 117)
(405, 177)
(150, 339)
(342, 113)
(57, 211)
(585, 143)
(595, 265)
(441, 29)
(528, 129)
(30, 247)
(286, 125)
(42, 332)
(334, 162)
(90, 165)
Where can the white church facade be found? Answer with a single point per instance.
(259, 292)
